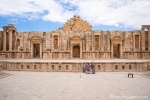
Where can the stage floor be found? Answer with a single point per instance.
(75, 60)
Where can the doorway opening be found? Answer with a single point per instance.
(76, 51)
(36, 50)
(116, 50)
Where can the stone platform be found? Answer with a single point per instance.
(21, 85)
(75, 65)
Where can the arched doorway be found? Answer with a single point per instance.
(76, 51)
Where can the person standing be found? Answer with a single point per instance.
(87, 68)
(93, 68)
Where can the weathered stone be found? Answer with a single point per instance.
(75, 39)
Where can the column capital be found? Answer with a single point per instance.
(142, 29)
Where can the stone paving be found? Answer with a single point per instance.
(21, 85)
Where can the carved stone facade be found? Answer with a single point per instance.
(75, 40)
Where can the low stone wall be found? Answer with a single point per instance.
(2, 55)
(76, 67)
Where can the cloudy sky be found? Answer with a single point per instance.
(48, 15)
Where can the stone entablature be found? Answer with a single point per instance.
(79, 42)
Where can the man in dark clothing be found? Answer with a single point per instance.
(87, 68)
(93, 68)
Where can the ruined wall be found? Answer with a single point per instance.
(1, 40)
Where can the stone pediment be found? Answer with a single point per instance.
(117, 40)
(75, 39)
(36, 38)
(76, 24)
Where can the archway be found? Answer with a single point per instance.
(76, 51)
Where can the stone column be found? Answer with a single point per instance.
(111, 50)
(83, 45)
(10, 40)
(93, 39)
(99, 42)
(86, 41)
(52, 42)
(68, 44)
(102, 40)
(29, 44)
(71, 51)
(149, 39)
(31, 50)
(40, 50)
(4, 40)
(108, 42)
(133, 42)
(81, 50)
(58, 43)
(143, 39)
(120, 50)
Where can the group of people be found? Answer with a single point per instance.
(87, 67)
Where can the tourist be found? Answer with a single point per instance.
(93, 68)
(84, 67)
(87, 68)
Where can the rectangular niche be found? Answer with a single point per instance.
(96, 42)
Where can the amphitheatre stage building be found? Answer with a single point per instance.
(68, 47)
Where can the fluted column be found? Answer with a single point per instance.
(4, 40)
(143, 39)
(10, 39)
(149, 39)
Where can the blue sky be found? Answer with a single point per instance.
(48, 15)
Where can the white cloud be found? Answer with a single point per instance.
(1, 29)
(119, 13)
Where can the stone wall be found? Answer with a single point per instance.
(75, 42)
(77, 67)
